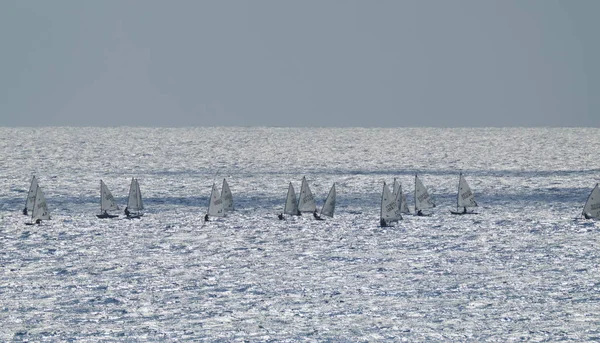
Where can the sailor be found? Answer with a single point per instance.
(465, 210)
(38, 221)
(206, 217)
(25, 211)
(587, 215)
(105, 213)
(419, 213)
(316, 215)
(382, 222)
(127, 213)
(280, 216)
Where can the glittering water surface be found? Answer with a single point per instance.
(523, 269)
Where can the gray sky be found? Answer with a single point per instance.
(374, 63)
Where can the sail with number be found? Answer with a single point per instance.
(591, 209)
(291, 204)
(227, 197)
(107, 202)
(40, 208)
(422, 198)
(134, 202)
(397, 189)
(306, 202)
(329, 205)
(390, 211)
(31, 195)
(215, 206)
(466, 198)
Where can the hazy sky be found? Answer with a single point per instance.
(372, 63)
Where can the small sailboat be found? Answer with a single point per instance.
(329, 205)
(291, 204)
(135, 205)
(423, 200)
(390, 212)
(107, 202)
(402, 198)
(30, 196)
(591, 209)
(39, 209)
(227, 197)
(306, 202)
(215, 205)
(465, 197)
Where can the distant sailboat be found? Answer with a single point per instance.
(215, 205)
(39, 209)
(227, 197)
(135, 205)
(465, 197)
(329, 205)
(107, 202)
(30, 196)
(390, 212)
(291, 204)
(423, 200)
(591, 209)
(402, 198)
(306, 202)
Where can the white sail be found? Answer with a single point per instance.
(134, 202)
(107, 201)
(591, 209)
(226, 196)
(389, 206)
(215, 206)
(466, 198)
(291, 205)
(40, 208)
(306, 203)
(31, 194)
(329, 205)
(397, 189)
(422, 198)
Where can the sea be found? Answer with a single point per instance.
(525, 268)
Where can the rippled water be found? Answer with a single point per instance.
(523, 269)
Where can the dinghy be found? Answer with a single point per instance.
(402, 198)
(306, 202)
(135, 205)
(30, 196)
(107, 203)
(390, 212)
(39, 210)
(591, 209)
(291, 204)
(423, 200)
(329, 205)
(215, 205)
(227, 197)
(465, 197)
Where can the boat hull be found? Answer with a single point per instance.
(106, 216)
(459, 213)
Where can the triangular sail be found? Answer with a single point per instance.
(389, 206)
(215, 206)
(107, 201)
(134, 202)
(306, 203)
(466, 198)
(397, 189)
(226, 196)
(329, 205)
(40, 208)
(31, 194)
(422, 198)
(591, 209)
(291, 205)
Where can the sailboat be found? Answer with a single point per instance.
(39, 209)
(402, 198)
(135, 205)
(390, 212)
(107, 202)
(591, 209)
(30, 196)
(291, 204)
(465, 197)
(329, 205)
(215, 205)
(423, 200)
(306, 202)
(227, 197)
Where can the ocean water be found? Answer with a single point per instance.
(524, 268)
